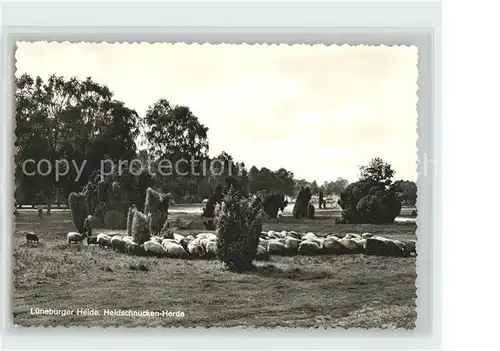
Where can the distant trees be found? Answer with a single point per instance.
(407, 192)
(281, 181)
(81, 121)
(72, 119)
(373, 198)
(334, 187)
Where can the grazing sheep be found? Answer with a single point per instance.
(207, 236)
(361, 244)
(132, 248)
(156, 239)
(263, 242)
(174, 250)
(317, 240)
(397, 248)
(76, 237)
(294, 234)
(366, 235)
(140, 227)
(309, 236)
(169, 241)
(352, 236)
(337, 235)
(308, 248)
(154, 248)
(92, 240)
(211, 249)
(178, 237)
(350, 245)
(276, 247)
(271, 234)
(103, 240)
(262, 253)
(291, 244)
(118, 244)
(411, 246)
(128, 238)
(377, 246)
(332, 246)
(31, 237)
(196, 249)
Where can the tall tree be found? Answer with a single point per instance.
(174, 133)
(71, 119)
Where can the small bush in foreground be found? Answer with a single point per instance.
(238, 224)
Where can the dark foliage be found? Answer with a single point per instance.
(239, 224)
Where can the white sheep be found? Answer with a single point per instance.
(352, 236)
(178, 237)
(156, 239)
(262, 253)
(275, 246)
(128, 238)
(263, 242)
(366, 235)
(294, 234)
(309, 236)
(308, 247)
(103, 240)
(350, 245)
(331, 245)
(211, 236)
(174, 249)
(196, 249)
(292, 244)
(76, 237)
(154, 248)
(211, 249)
(117, 243)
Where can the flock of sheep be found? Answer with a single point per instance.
(289, 243)
(204, 245)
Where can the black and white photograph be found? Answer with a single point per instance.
(215, 185)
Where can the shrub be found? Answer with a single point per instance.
(140, 227)
(368, 201)
(130, 217)
(157, 204)
(239, 224)
(301, 205)
(166, 232)
(156, 201)
(79, 210)
(158, 219)
(370, 209)
(272, 202)
(310, 211)
(114, 219)
(102, 191)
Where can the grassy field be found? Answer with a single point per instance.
(318, 291)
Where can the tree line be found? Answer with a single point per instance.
(81, 120)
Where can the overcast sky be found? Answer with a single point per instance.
(318, 111)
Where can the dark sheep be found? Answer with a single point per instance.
(31, 237)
